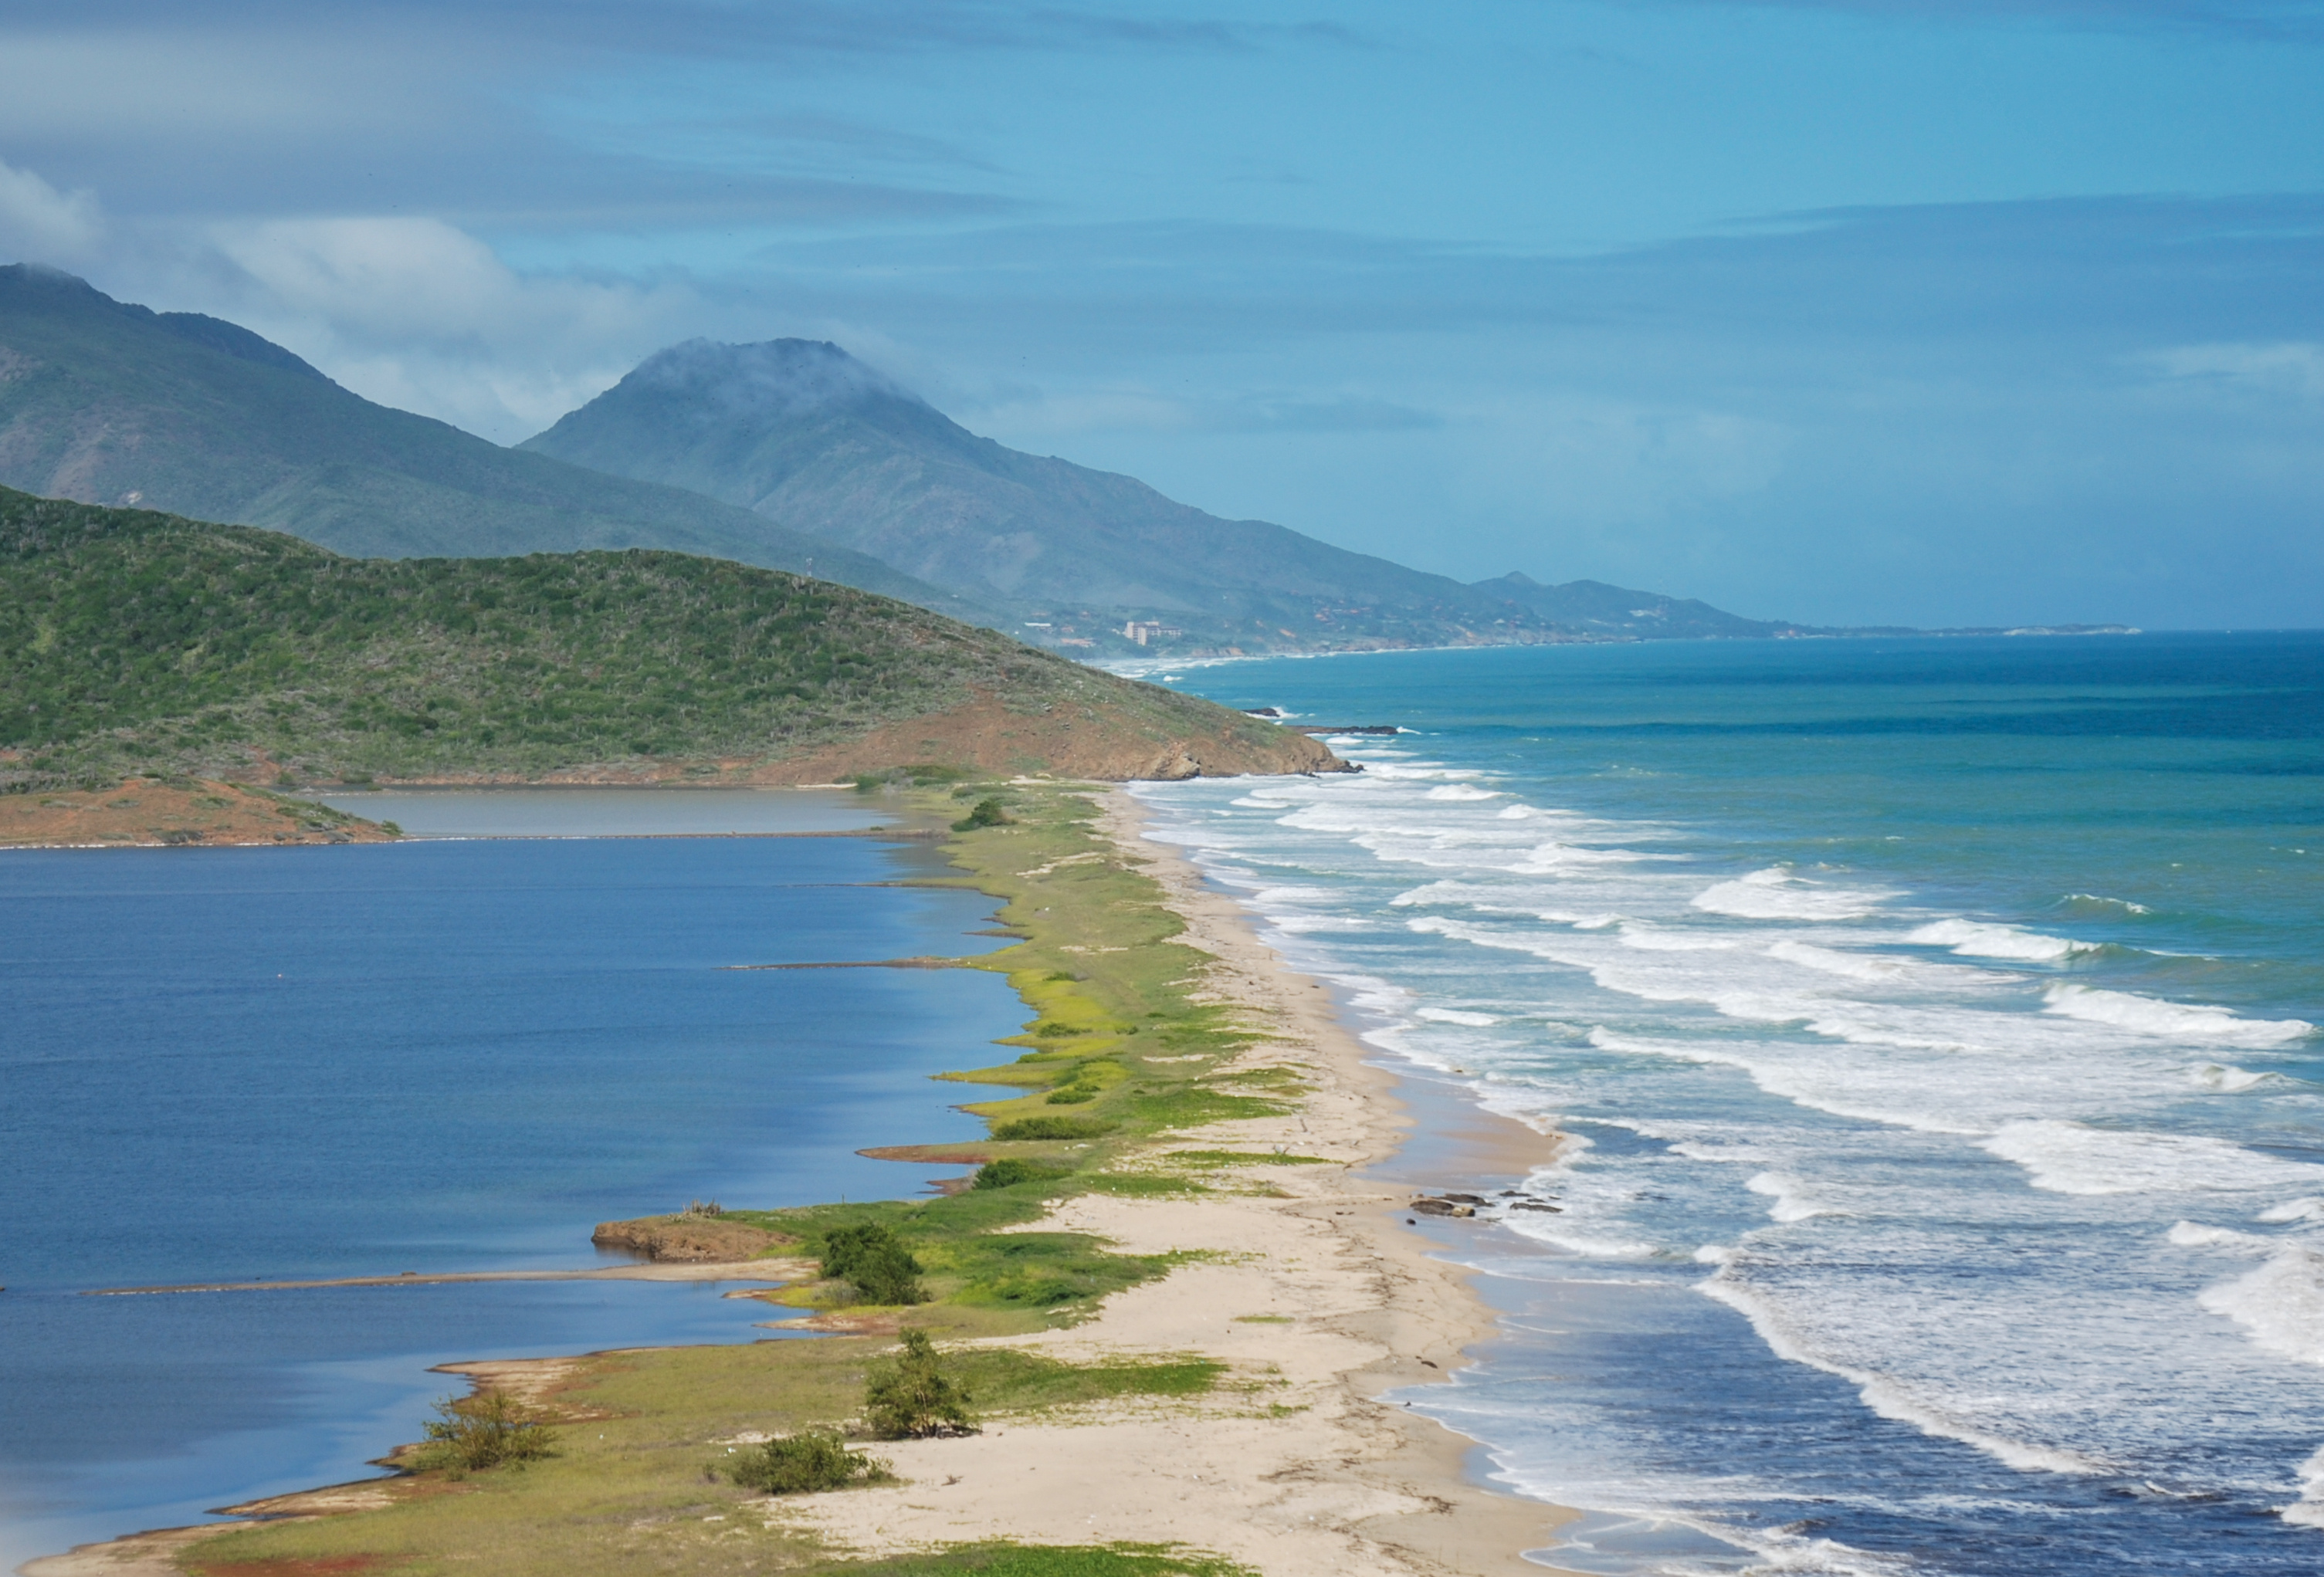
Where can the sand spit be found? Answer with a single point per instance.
(1311, 1290)
(1306, 1285)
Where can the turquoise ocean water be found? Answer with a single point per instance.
(242, 1063)
(1933, 1024)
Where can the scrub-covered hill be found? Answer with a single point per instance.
(135, 642)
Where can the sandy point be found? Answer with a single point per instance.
(1311, 1291)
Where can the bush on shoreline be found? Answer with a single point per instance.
(869, 1258)
(803, 1463)
(987, 813)
(1052, 1128)
(484, 1431)
(1008, 1173)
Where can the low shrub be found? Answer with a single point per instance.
(869, 1258)
(1072, 1095)
(1008, 1174)
(987, 813)
(914, 1397)
(1051, 1127)
(806, 1463)
(484, 1431)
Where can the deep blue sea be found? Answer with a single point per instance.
(1932, 1023)
(435, 1055)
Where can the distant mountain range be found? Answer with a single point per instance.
(801, 431)
(109, 403)
(789, 454)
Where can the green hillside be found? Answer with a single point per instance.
(134, 641)
(111, 403)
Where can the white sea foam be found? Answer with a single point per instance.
(2308, 1511)
(1881, 1093)
(2124, 904)
(1955, 1060)
(1458, 1016)
(2187, 1235)
(1298, 923)
(1791, 1196)
(2177, 1020)
(1556, 1232)
(2069, 1158)
(1777, 894)
(2280, 1304)
(2225, 1079)
(1972, 939)
(1833, 961)
(1890, 1397)
(1648, 938)
(1459, 792)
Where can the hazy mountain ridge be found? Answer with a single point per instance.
(799, 430)
(107, 403)
(1592, 604)
(789, 454)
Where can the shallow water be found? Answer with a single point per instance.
(601, 813)
(450, 1056)
(1934, 1023)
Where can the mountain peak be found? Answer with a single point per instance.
(773, 379)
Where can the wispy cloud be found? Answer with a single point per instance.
(2287, 368)
(2267, 20)
(39, 222)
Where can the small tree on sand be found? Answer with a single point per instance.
(914, 1397)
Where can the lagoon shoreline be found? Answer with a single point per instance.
(1307, 1284)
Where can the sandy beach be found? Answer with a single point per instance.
(1313, 1472)
(1304, 1280)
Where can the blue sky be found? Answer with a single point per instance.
(1983, 312)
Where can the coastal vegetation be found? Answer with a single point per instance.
(487, 1430)
(915, 1395)
(867, 1256)
(133, 642)
(1107, 979)
(806, 1463)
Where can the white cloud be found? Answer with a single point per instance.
(2285, 367)
(419, 314)
(40, 224)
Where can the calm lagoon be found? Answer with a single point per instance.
(441, 1055)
